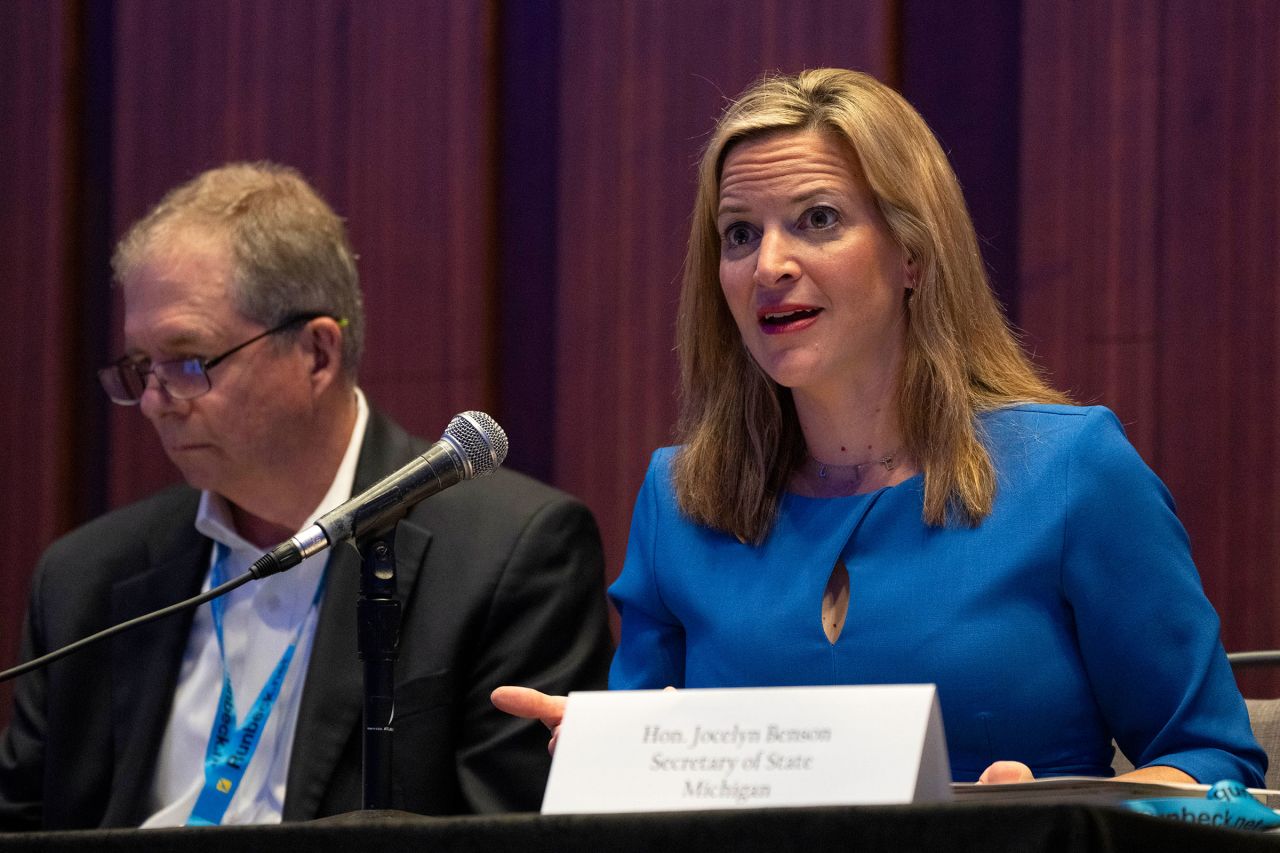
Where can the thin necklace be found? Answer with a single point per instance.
(889, 461)
(824, 480)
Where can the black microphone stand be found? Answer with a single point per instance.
(378, 615)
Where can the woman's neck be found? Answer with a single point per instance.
(851, 427)
(854, 441)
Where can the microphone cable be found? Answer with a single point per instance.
(58, 654)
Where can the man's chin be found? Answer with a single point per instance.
(197, 476)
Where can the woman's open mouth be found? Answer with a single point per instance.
(786, 318)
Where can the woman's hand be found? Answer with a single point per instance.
(1156, 773)
(1006, 772)
(531, 705)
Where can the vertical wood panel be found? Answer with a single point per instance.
(527, 136)
(972, 101)
(385, 108)
(1090, 280)
(36, 171)
(419, 153)
(1150, 222)
(642, 83)
(1220, 176)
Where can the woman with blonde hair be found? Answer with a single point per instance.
(874, 484)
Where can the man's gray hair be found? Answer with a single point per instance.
(290, 251)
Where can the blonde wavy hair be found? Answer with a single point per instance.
(739, 434)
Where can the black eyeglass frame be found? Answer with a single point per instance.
(116, 371)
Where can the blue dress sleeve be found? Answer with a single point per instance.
(651, 650)
(1147, 633)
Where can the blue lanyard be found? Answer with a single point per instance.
(231, 746)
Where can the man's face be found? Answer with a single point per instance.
(246, 435)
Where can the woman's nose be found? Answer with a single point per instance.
(775, 259)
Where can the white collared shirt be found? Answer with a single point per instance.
(259, 622)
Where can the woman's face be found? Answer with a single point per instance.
(808, 267)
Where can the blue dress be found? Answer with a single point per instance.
(1073, 614)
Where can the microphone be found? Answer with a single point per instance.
(472, 445)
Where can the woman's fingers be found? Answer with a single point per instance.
(530, 704)
(1005, 772)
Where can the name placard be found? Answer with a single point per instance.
(675, 750)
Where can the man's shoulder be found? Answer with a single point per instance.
(481, 523)
(506, 493)
(502, 507)
(146, 525)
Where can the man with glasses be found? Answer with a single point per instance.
(243, 332)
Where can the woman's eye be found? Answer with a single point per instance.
(820, 217)
(737, 234)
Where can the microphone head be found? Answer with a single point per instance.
(479, 440)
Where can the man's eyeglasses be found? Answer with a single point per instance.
(181, 379)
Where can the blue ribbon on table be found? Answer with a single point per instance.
(1228, 804)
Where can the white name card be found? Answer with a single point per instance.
(676, 750)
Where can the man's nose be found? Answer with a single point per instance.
(156, 399)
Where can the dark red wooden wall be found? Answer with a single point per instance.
(517, 177)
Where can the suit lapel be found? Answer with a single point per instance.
(330, 713)
(144, 668)
(330, 704)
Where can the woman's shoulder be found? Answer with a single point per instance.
(1050, 422)
(658, 487)
(662, 466)
(1045, 412)
(663, 456)
(1088, 443)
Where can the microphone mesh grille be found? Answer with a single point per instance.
(481, 441)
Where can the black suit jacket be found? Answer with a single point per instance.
(501, 581)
